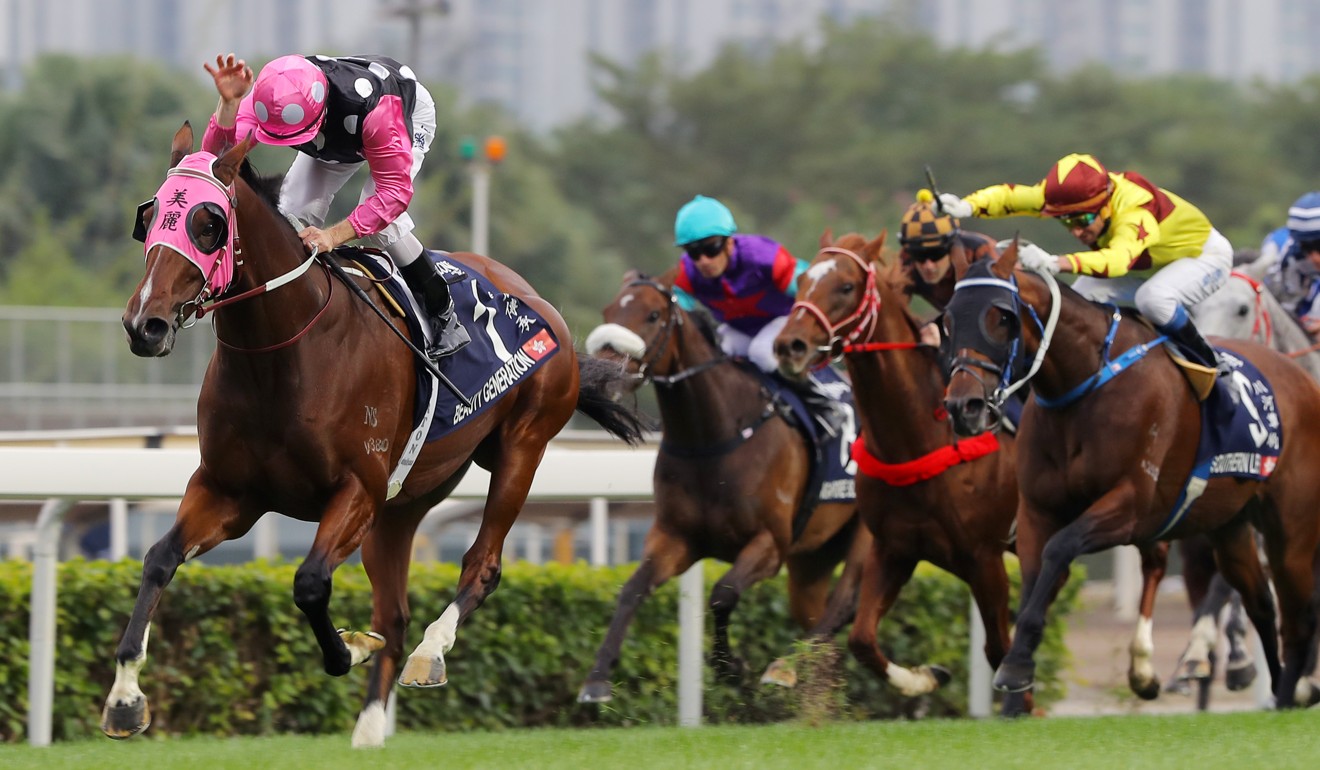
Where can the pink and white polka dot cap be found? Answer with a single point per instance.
(288, 100)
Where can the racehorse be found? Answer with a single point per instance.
(281, 427)
(1104, 463)
(730, 476)
(923, 494)
(1244, 308)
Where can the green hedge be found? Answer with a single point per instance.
(230, 653)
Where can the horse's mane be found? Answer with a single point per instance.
(266, 187)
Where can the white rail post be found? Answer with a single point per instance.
(979, 698)
(691, 634)
(1127, 582)
(41, 632)
(118, 529)
(600, 531)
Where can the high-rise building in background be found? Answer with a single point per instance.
(534, 56)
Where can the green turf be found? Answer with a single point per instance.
(1238, 741)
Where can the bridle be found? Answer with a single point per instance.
(865, 316)
(1262, 325)
(657, 348)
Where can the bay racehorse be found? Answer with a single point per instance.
(305, 409)
(924, 494)
(1109, 453)
(730, 476)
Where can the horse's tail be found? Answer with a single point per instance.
(598, 379)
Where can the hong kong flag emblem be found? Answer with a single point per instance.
(540, 346)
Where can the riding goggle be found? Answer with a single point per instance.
(1072, 221)
(706, 247)
(926, 255)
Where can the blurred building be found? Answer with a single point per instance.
(534, 56)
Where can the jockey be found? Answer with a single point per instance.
(1294, 254)
(748, 283)
(1148, 247)
(926, 236)
(339, 113)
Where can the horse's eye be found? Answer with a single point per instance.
(653, 317)
(847, 288)
(1243, 310)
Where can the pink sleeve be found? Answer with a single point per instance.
(217, 138)
(387, 147)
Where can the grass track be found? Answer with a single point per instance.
(1240, 740)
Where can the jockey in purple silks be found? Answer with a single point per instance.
(749, 285)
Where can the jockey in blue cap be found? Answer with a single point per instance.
(1295, 249)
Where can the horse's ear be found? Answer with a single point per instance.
(958, 258)
(874, 251)
(227, 165)
(668, 277)
(827, 237)
(633, 275)
(182, 143)
(1008, 259)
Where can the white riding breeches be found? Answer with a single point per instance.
(758, 348)
(1183, 282)
(310, 185)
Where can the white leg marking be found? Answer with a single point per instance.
(1142, 650)
(910, 683)
(440, 635)
(1204, 635)
(369, 733)
(126, 690)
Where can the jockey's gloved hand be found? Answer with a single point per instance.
(954, 206)
(1037, 260)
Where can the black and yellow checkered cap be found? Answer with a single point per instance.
(923, 227)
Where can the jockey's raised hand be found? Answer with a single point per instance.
(233, 79)
(954, 206)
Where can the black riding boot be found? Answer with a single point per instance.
(447, 335)
(1182, 332)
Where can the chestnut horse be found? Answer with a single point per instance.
(280, 422)
(1107, 445)
(730, 476)
(926, 498)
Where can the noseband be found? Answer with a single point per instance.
(654, 350)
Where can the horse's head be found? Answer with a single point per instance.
(983, 326)
(639, 327)
(837, 303)
(188, 232)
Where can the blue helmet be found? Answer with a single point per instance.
(1304, 218)
(700, 218)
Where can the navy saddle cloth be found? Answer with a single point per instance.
(833, 474)
(509, 341)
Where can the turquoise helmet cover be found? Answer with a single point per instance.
(700, 218)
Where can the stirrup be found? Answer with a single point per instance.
(447, 336)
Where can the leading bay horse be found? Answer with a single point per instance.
(923, 494)
(1108, 443)
(305, 409)
(730, 475)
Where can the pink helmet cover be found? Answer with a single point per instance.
(288, 101)
(188, 186)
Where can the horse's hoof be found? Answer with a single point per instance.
(940, 674)
(1314, 696)
(1146, 688)
(1014, 705)
(1015, 677)
(423, 672)
(361, 645)
(125, 721)
(1238, 679)
(782, 673)
(596, 692)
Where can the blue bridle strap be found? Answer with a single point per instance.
(1108, 369)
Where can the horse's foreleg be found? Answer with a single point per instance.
(757, 561)
(663, 556)
(883, 577)
(1141, 651)
(386, 555)
(1197, 661)
(1240, 671)
(989, 584)
(344, 523)
(510, 481)
(1103, 525)
(204, 521)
